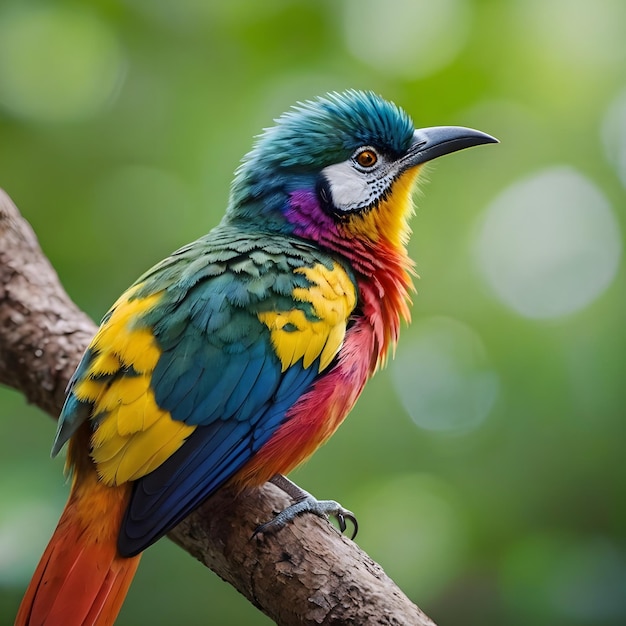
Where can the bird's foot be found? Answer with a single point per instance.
(309, 504)
(306, 503)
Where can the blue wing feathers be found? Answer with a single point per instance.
(257, 393)
(257, 378)
(209, 457)
(168, 494)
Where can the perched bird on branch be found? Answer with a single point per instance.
(236, 357)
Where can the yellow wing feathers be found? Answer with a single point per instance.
(332, 296)
(120, 338)
(133, 435)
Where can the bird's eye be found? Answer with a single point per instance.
(366, 158)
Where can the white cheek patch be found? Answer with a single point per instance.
(349, 188)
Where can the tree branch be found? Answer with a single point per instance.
(304, 574)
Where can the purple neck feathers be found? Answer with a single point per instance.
(311, 222)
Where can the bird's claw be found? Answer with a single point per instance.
(309, 504)
(341, 517)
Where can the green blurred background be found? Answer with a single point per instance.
(485, 464)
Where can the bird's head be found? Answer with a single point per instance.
(340, 167)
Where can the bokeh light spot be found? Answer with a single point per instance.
(601, 23)
(549, 245)
(614, 135)
(57, 63)
(442, 376)
(408, 38)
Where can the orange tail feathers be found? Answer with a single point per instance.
(81, 580)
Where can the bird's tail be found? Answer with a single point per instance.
(81, 580)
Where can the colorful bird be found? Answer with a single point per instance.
(234, 358)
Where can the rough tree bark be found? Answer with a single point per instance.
(304, 574)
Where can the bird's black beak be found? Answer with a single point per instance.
(430, 143)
